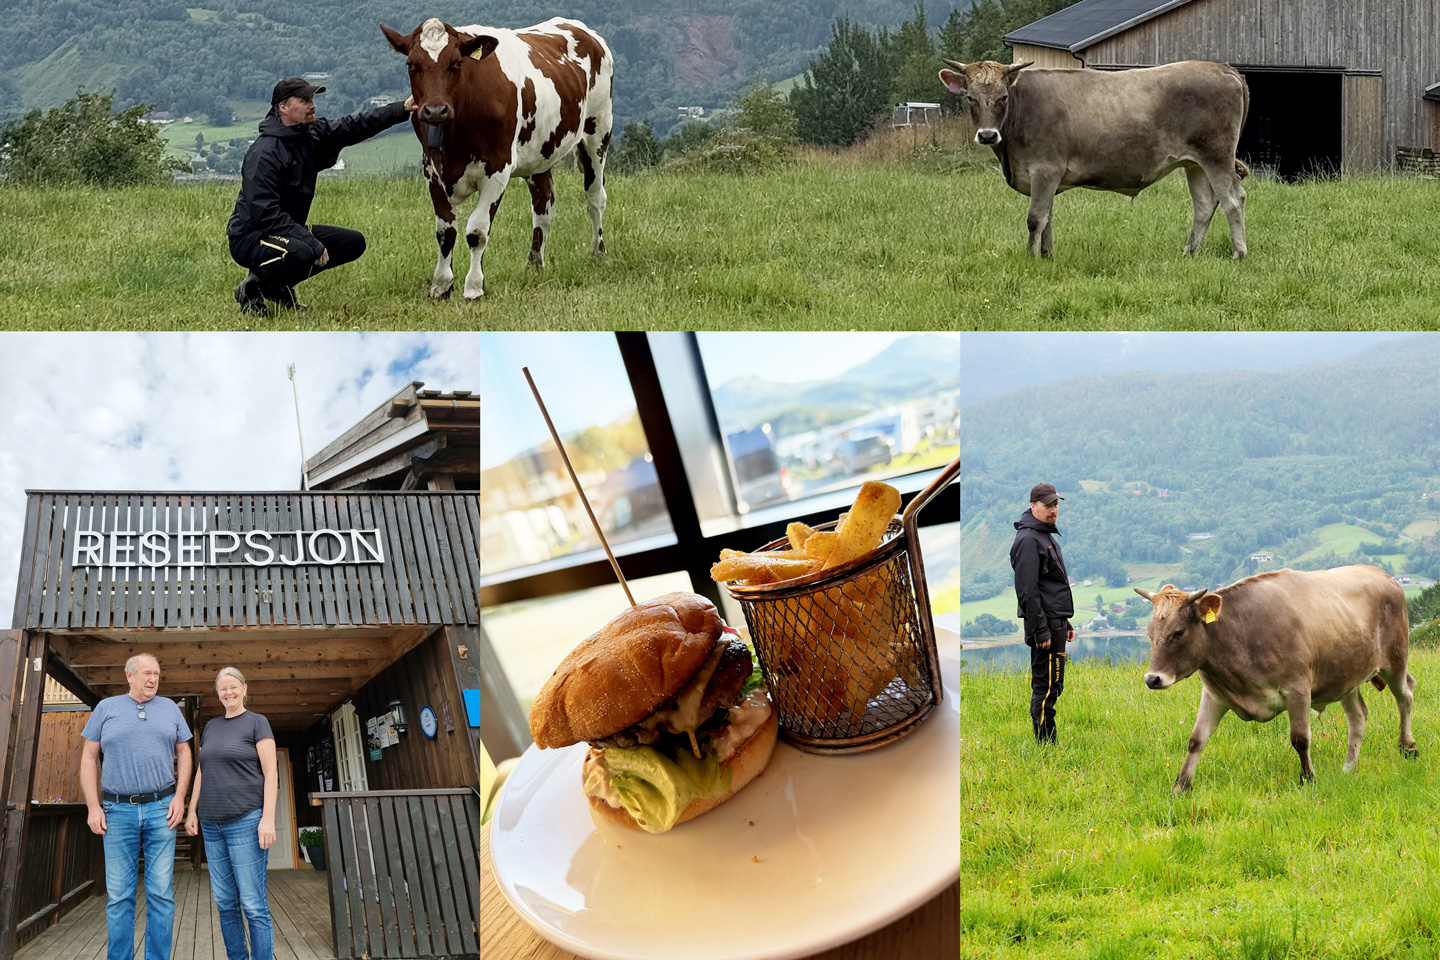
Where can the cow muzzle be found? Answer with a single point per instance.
(988, 136)
(436, 113)
(1158, 681)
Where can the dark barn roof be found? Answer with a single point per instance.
(1088, 22)
(1432, 92)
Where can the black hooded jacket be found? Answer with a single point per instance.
(278, 176)
(1042, 587)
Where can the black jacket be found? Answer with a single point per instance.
(1042, 587)
(278, 176)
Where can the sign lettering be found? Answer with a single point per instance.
(225, 548)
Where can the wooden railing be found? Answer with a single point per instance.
(404, 872)
(63, 863)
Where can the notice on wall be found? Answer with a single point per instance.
(374, 737)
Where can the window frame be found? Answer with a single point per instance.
(695, 542)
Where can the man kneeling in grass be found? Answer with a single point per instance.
(268, 232)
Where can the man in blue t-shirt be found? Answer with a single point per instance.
(136, 799)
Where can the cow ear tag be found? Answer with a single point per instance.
(1211, 616)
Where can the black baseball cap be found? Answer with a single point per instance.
(293, 87)
(1044, 493)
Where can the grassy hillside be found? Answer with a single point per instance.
(1081, 852)
(831, 243)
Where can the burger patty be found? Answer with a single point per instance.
(723, 690)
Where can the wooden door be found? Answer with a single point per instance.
(1362, 124)
(349, 751)
(287, 840)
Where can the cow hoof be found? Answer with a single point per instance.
(1410, 753)
(1180, 789)
(537, 263)
(472, 297)
(440, 294)
(1238, 255)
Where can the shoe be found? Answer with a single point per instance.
(248, 295)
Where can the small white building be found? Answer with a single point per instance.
(915, 113)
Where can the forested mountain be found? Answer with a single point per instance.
(191, 59)
(1259, 460)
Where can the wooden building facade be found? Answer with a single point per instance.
(351, 609)
(1335, 85)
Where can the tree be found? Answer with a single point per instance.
(82, 142)
(1100, 604)
(765, 113)
(846, 87)
(915, 60)
(637, 150)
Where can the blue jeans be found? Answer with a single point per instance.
(237, 879)
(129, 828)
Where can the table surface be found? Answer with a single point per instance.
(931, 931)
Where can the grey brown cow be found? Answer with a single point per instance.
(1286, 641)
(1054, 129)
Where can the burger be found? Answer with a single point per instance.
(676, 714)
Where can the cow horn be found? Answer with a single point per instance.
(1196, 595)
(952, 64)
(1145, 593)
(1019, 66)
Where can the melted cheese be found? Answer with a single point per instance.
(746, 717)
(684, 717)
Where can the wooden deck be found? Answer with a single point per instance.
(299, 907)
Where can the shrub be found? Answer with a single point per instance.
(83, 142)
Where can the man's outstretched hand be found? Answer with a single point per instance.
(411, 105)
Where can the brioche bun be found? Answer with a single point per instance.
(747, 763)
(626, 670)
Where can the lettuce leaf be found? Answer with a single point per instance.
(756, 679)
(655, 789)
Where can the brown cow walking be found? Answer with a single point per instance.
(492, 104)
(1120, 131)
(1285, 641)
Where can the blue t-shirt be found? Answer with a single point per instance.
(138, 756)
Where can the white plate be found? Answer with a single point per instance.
(839, 847)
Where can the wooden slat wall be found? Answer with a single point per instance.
(57, 763)
(1400, 38)
(430, 573)
(1044, 57)
(62, 864)
(423, 676)
(404, 872)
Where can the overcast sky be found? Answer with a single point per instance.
(213, 411)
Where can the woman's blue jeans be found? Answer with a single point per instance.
(237, 879)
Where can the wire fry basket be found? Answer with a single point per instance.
(849, 653)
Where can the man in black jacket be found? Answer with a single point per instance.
(1042, 592)
(267, 231)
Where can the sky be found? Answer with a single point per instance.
(103, 411)
(790, 357)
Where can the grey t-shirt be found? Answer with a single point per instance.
(138, 756)
(232, 784)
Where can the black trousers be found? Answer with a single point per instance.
(1047, 681)
(282, 262)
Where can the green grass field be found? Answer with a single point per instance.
(1083, 852)
(833, 243)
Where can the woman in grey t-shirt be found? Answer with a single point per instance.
(236, 813)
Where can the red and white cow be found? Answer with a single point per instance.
(494, 103)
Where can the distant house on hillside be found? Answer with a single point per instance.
(317, 75)
(1430, 495)
(1164, 492)
(1261, 557)
(1199, 536)
(691, 113)
(158, 117)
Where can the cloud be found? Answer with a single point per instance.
(102, 411)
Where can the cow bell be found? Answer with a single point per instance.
(435, 136)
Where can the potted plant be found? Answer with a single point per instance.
(313, 840)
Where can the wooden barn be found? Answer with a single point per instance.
(351, 608)
(1335, 85)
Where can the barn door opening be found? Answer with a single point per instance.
(1294, 126)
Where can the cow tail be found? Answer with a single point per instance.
(1241, 171)
(1379, 683)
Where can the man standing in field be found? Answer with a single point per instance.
(268, 232)
(1042, 593)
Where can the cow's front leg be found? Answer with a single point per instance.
(444, 279)
(1297, 704)
(1042, 203)
(1203, 199)
(477, 231)
(1212, 708)
(542, 203)
(1355, 714)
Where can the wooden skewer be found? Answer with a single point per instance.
(585, 501)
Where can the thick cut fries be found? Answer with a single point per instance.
(863, 529)
(743, 566)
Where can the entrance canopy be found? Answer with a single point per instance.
(310, 595)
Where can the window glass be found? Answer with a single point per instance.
(529, 510)
(531, 637)
(805, 413)
(940, 546)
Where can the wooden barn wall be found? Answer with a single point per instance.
(1400, 38)
(57, 762)
(430, 573)
(1044, 57)
(425, 675)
